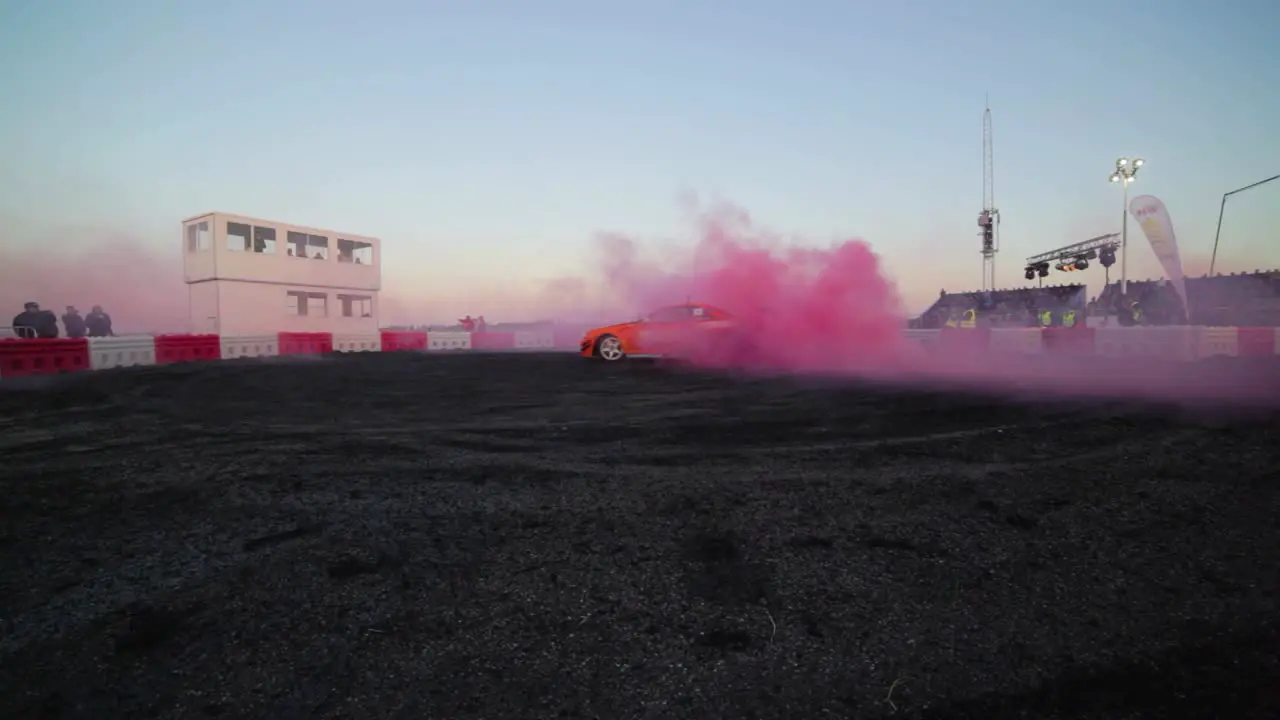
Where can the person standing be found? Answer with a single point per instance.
(99, 323)
(26, 322)
(73, 323)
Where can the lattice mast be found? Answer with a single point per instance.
(989, 218)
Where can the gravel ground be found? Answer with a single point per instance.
(523, 536)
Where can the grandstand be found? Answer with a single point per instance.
(1014, 307)
(1239, 299)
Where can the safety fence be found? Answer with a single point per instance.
(52, 356)
(1166, 342)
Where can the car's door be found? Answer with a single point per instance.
(661, 332)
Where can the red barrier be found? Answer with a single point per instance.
(187, 348)
(1255, 341)
(49, 356)
(964, 340)
(394, 340)
(305, 343)
(493, 341)
(1078, 340)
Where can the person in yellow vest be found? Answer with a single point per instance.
(1046, 318)
(970, 319)
(1069, 319)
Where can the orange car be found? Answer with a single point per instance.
(670, 331)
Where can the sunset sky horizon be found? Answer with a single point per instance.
(488, 144)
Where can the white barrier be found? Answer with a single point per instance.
(535, 340)
(1217, 341)
(1019, 341)
(923, 338)
(125, 351)
(448, 341)
(357, 343)
(250, 346)
(1168, 343)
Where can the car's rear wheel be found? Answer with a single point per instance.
(609, 348)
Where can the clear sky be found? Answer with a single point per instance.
(486, 142)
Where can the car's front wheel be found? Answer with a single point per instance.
(609, 347)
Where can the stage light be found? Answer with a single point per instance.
(1031, 273)
(1107, 257)
(1082, 263)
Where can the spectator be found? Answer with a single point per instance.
(99, 323)
(47, 325)
(468, 324)
(33, 322)
(481, 325)
(73, 323)
(27, 323)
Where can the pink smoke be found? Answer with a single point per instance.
(833, 310)
(139, 286)
(800, 308)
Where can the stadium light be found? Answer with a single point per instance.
(1126, 172)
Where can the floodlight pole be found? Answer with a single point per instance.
(1125, 172)
(1124, 241)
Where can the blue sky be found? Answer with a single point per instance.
(486, 142)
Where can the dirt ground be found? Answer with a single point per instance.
(533, 536)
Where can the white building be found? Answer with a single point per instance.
(249, 277)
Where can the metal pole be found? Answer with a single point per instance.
(1124, 242)
(1217, 233)
(1223, 207)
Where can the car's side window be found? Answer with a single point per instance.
(672, 314)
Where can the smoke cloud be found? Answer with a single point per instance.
(801, 309)
(140, 287)
(798, 308)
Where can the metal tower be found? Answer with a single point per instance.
(989, 218)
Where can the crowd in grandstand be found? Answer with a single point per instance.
(1238, 299)
(35, 322)
(1020, 307)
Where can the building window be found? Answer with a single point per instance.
(243, 237)
(300, 303)
(295, 303)
(264, 240)
(238, 235)
(355, 251)
(199, 238)
(356, 305)
(315, 247)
